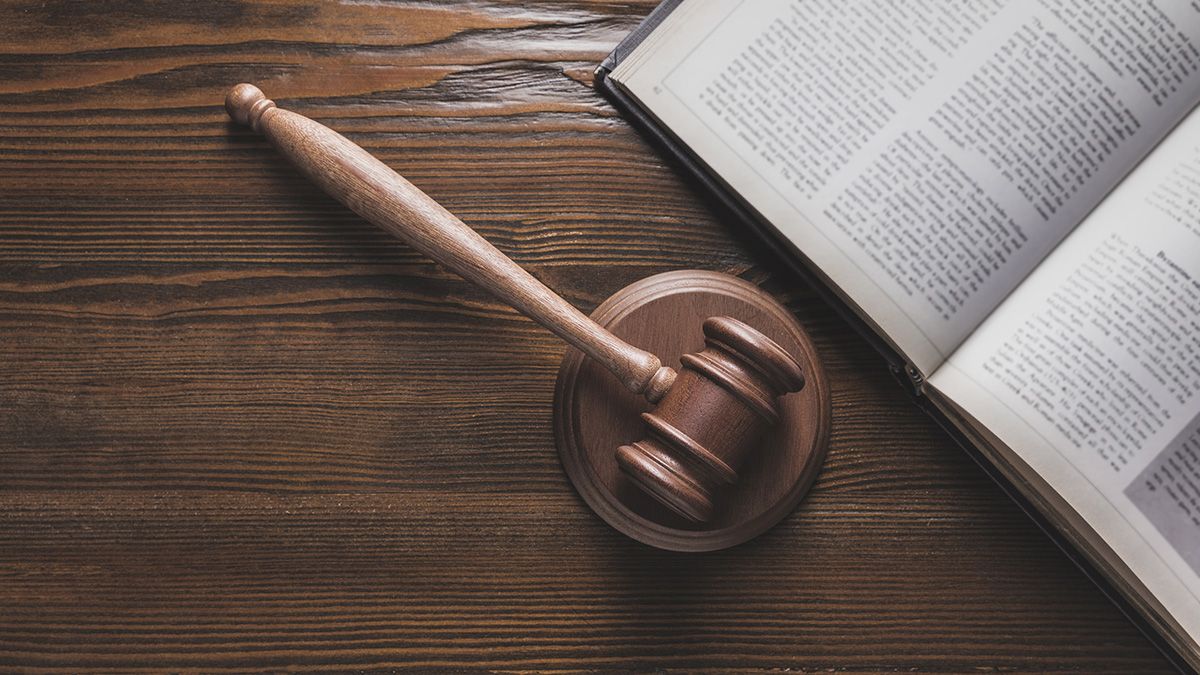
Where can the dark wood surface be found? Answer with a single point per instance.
(241, 429)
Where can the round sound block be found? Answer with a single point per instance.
(594, 414)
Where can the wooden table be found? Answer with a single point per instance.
(242, 429)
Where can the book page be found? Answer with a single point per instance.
(1090, 372)
(924, 156)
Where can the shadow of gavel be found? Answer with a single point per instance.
(710, 414)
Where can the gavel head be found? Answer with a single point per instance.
(712, 417)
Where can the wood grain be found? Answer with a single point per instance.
(236, 427)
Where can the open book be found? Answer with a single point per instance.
(1008, 193)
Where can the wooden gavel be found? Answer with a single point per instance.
(709, 415)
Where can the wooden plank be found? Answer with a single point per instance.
(240, 429)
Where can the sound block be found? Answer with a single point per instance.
(594, 414)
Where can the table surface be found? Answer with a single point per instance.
(242, 429)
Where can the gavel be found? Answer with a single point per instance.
(709, 415)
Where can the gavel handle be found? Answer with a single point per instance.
(380, 195)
